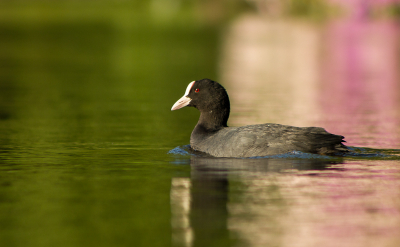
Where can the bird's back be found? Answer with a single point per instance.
(266, 139)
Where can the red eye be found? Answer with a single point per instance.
(197, 90)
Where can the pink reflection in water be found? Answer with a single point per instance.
(356, 205)
(353, 207)
(357, 95)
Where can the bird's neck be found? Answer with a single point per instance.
(213, 120)
(213, 115)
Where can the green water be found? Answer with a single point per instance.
(86, 124)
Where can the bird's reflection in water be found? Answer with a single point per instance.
(202, 205)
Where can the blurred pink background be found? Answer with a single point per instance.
(341, 74)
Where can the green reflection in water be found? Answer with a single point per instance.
(85, 121)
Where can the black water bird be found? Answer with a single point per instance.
(213, 136)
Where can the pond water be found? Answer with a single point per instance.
(87, 133)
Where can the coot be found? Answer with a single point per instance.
(213, 136)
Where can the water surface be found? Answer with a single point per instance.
(86, 130)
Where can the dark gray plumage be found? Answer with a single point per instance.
(212, 135)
